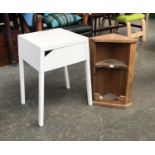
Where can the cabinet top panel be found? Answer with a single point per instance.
(113, 38)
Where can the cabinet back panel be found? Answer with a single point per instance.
(110, 81)
(103, 51)
(121, 52)
(112, 50)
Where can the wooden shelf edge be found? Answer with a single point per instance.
(111, 63)
(113, 105)
(113, 38)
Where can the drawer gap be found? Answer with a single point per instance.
(47, 52)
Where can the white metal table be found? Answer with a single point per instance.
(48, 50)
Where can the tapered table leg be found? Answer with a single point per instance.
(67, 77)
(22, 80)
(41, 100)
(88, 82)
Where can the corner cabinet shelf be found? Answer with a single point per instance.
(112, 68)
(111, 63)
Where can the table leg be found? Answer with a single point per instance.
(67, 77)
(41, 100)
(22, 81)
(88, 82)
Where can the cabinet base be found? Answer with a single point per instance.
(113, 105)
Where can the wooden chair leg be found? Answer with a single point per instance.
(102, 23)
(144, 30)
(95, 26)
(99, 21)
(116, 25)
(128, 29)
(109, 20)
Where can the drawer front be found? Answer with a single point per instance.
(65, 56)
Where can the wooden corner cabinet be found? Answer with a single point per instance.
(112, 68)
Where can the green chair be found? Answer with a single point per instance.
(128, 19)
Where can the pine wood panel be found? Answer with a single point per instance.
(112, 85)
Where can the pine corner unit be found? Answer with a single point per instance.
(112, 68)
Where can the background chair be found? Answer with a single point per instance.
(38, 24)
(127, 19)
(98, 22)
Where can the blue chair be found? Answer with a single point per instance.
(31, 22)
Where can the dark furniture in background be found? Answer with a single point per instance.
(152, 15)
(9, 29)
(98, 21)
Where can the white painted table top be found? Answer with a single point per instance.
(53, 39)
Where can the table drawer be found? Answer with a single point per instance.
(65, 56)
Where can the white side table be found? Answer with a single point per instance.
(48, 50)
